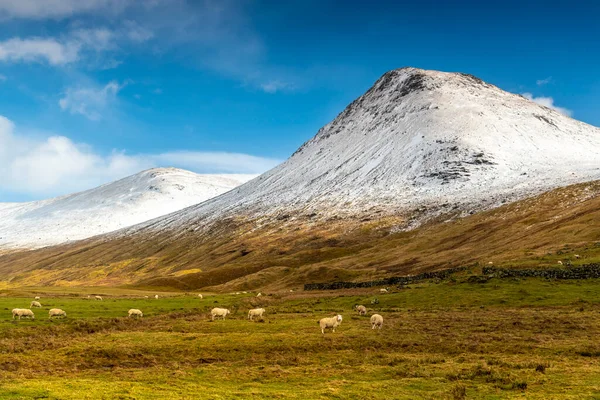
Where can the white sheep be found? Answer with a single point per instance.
(56, 312)
(135, 312)
(156, 296)
(258, 295)
(383, 290)
(219, 312)
(145, 297)
(560, 263)
(257, 312)
(376, 321)
(577, 256)
(22, 312)
(35, 304)
(37, 298)
(331, 322)
(98, 298)
(362, 310)
(200, 296)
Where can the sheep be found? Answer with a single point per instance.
(135, 312)
(22, 312)
(145, 297)
(560, 263)
(98, 298)
(362, 310)
(56, 312)
(258, 295)
(35, 304)
(331, 322)
(200, 296)
(376, 321)
(383, 290)
(490, 263)
(257, 312)
(156, 296)
(37, 298)
(219, 312)
(577, 256)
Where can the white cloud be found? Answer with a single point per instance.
(90, 102)
(78, 44)
(215, 161)
(542, 82)
(2, 78)
(548, 102)
(55, 165)
(275, 86)
(43, 9)
(38, 49)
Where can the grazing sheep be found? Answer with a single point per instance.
(258, 295)
(98, 298)
(136, 313)
(37, 298)
(156, 296)
(383, 290)
(22, 312)
(577, 256)
(219, 312)
(331, 322)
(257, 312)
(244, 292)
(35, 304)
(56, 312)
(199, 295)
(376, 321)
(145, 297)
(362, 310)
(490, 263)
(560, 263)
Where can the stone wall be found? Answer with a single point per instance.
(397, 280)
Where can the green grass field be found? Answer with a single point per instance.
(511, 338)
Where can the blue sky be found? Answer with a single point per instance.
(95, 90)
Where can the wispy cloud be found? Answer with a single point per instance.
(56, 9)
(542, 82)
(548, 102)
(90, 102)
(74, 46)
(38, 49)
(275, 86)
(54, 164)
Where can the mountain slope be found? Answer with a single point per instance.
(420, 148)
(119, 204)
(418, 139)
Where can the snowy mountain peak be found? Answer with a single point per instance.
(419, 139)
(128, 201)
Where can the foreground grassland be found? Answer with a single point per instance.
(531, 339)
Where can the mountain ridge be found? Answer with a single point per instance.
(111, 206)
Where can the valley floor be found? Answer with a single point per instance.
(512, 338)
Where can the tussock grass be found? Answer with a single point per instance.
(525, 338)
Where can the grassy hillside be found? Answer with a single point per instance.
(502, 339)
(241, 254)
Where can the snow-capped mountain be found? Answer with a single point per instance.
(417, 141)
(137, 198)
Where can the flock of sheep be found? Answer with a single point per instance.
(324, 323)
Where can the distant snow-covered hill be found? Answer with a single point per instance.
(137, 198)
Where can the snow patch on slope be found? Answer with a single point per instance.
(129, 201)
